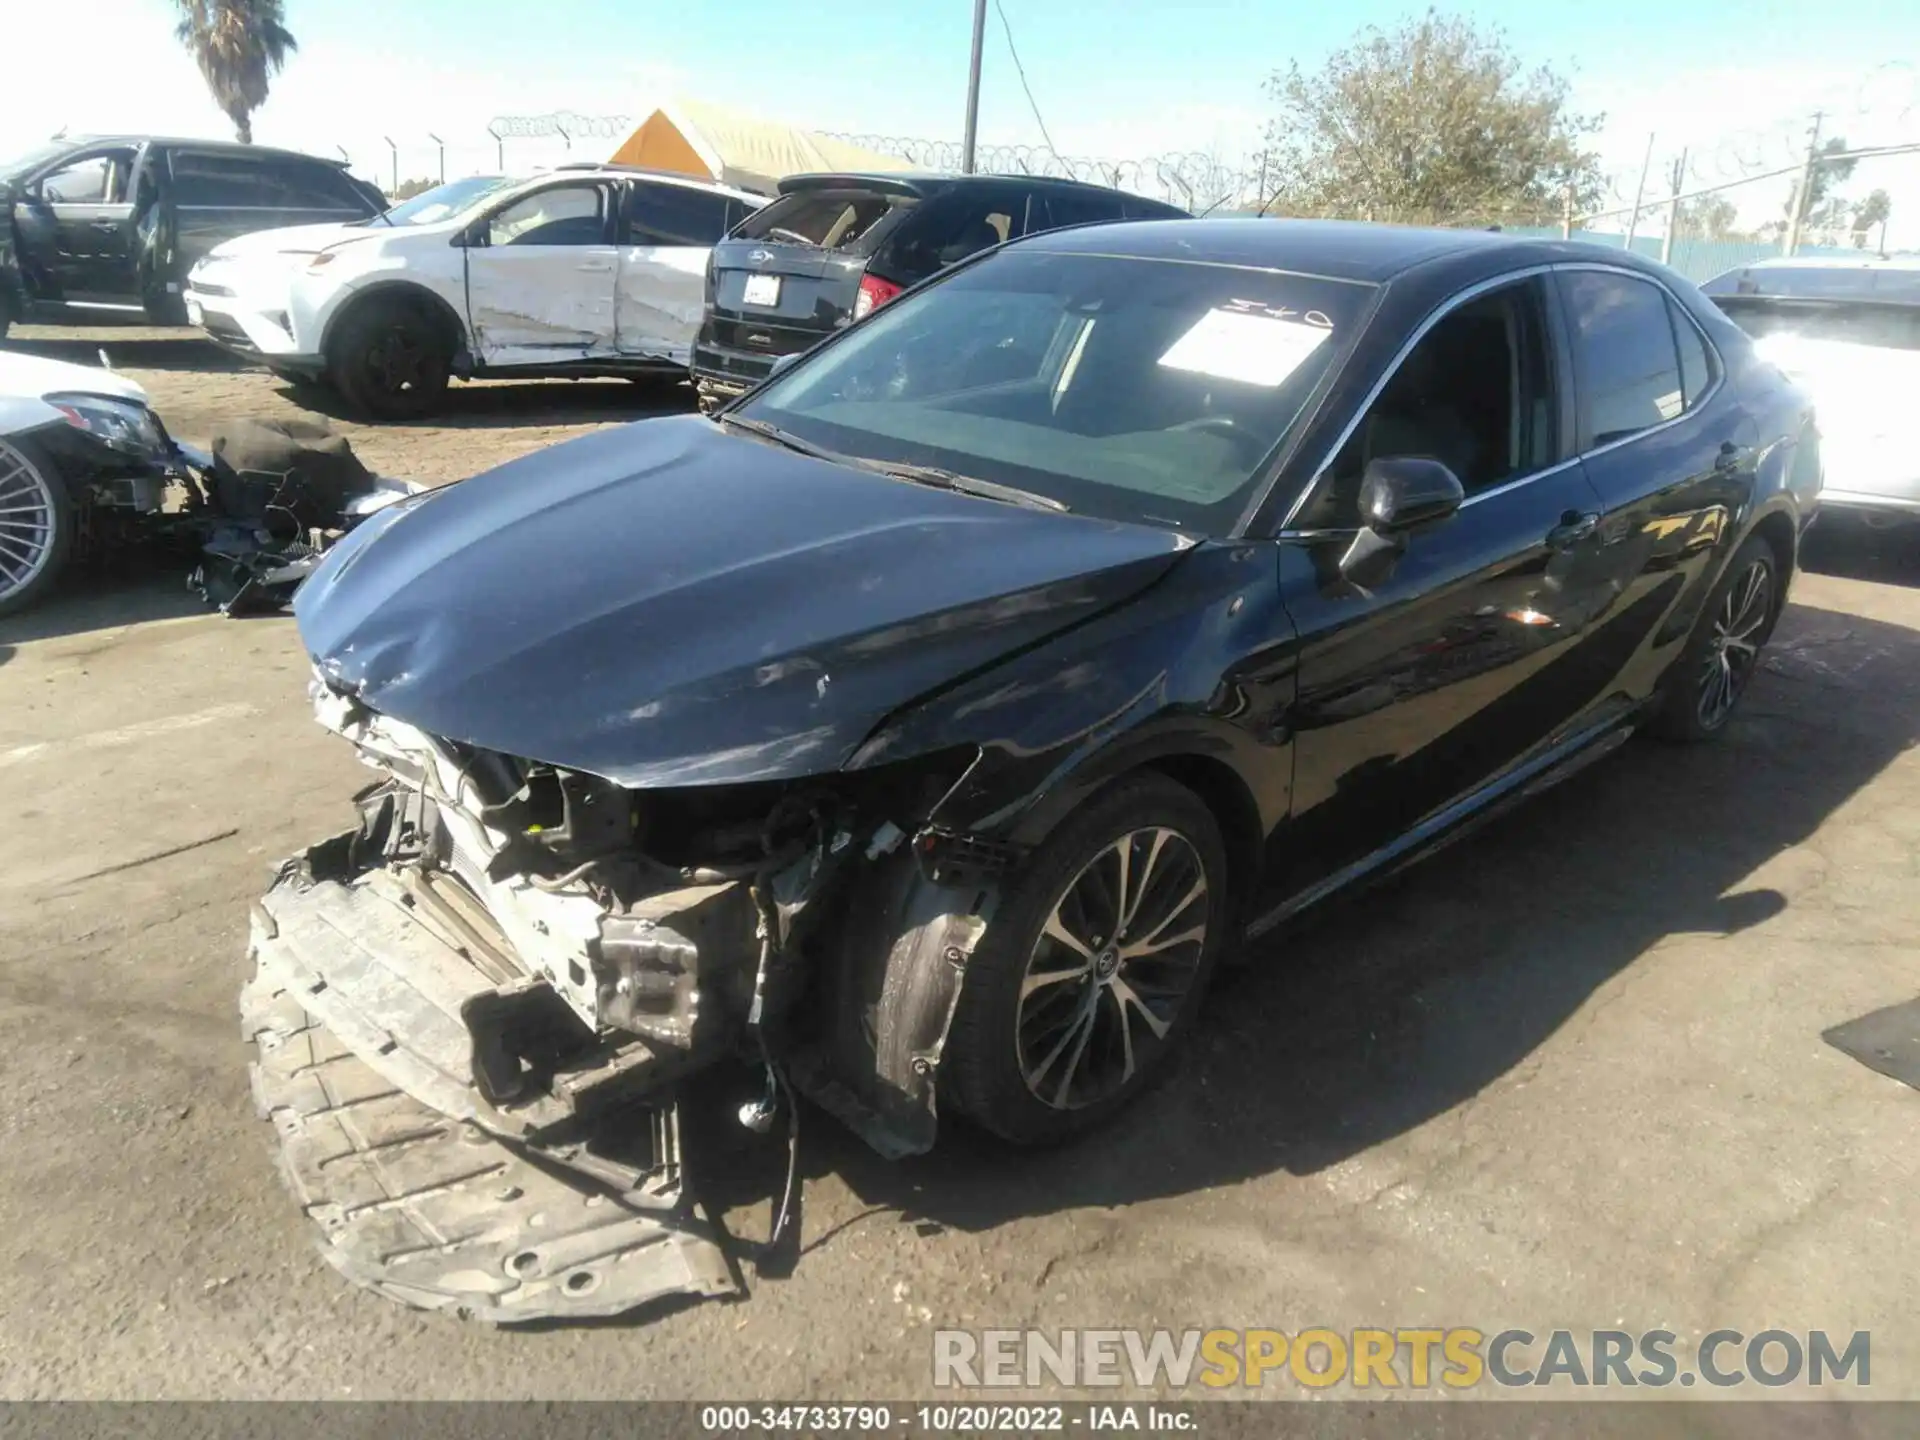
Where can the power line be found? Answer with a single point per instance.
(1021, 71)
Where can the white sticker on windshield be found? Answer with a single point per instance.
(1254, 344)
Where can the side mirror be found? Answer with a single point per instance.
(1398, 494)
(1403, 492)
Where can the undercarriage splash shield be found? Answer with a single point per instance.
(426, 1206)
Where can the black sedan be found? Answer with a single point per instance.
(926, 725)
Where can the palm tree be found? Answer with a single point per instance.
(241, 45)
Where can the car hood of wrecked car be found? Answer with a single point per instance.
(668, 603)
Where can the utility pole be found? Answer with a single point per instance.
(1673, 207)
(1803, 191)
(1633, 220)
(1566, 213)
(396, 159)
(973, 87)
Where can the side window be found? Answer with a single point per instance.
(308, 185)
(1696, 368)
(674, 215)
(737, 210)
(94, 180)
(223, 182)
(1624, 354)
(1476, 394)
(564, 215)
(1065, 207)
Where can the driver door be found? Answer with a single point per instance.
(541, 272)
(79, 234)
(1481, 645)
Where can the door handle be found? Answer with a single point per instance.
(1574, 527)
(596, 267)
(1731, 457)
(107, 225)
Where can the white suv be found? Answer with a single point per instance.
(585, 270)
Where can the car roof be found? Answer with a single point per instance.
(1339, 249)
(194, 142)
(670, 177)
(925, 182)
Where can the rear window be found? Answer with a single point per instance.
(1885, 327)
(844, 220)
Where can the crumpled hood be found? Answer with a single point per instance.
(670, 604)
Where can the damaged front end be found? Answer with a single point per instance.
(475, 1011)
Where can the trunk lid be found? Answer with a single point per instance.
(790, 273)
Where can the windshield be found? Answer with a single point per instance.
(1140, 390)
(17, 165)
(443, 202)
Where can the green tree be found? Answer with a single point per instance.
(240, 45)
(1435, 121)
(407, 189)
(1870, 212)
(1707, 217)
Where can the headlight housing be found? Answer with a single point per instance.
(123, 425)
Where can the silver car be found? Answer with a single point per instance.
(1848, 331)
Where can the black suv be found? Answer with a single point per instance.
(105, 228)
(833, 248)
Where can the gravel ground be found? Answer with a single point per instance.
(1567, 1074)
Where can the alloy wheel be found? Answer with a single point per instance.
(1111, 968)
(26, 521)
(397, 362)
(1734, 648)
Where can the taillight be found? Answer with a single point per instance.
(874, 292)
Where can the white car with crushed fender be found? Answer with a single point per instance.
(584, 270)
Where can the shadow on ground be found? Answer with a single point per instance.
(146, 350)
(1853, 551)
(507, 404)
(1380, 1013)
(134, 590)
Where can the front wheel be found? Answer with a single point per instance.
(1723, 653)
(1090, 975)
(36, 526)
(391, 362)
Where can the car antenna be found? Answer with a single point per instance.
(106, 361)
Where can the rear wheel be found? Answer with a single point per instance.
(1092, 971)
(391, 361)
(1724, 651)
(36, 525)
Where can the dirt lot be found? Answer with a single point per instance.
(1568, 1074)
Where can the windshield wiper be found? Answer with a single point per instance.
(964, 484)
(778, 436)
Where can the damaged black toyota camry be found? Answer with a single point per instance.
(926, 726)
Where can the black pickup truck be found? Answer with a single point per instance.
(103, 229)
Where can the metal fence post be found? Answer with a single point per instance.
(1673, 207)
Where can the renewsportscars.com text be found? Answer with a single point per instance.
(1457, 1358)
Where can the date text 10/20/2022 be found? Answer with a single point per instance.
(960, 1418)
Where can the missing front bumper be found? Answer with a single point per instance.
(422, 1189)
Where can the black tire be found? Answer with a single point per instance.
(390, 360)
(993, 1046)
(28, 481)
(1705, 685)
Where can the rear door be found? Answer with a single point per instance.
(667, 235)
(80, 228)
(541, 273)
(959, 222)
(790, 273)
(1666, 445)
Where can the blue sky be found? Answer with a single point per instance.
(1725, 77)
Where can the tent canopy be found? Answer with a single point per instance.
(692, 137)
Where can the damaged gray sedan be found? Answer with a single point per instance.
(921, 728)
